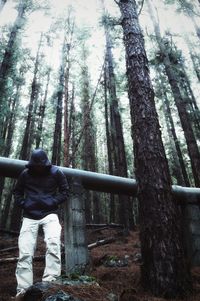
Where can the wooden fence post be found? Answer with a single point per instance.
(76, 250)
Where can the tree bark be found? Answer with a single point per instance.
(164, 270)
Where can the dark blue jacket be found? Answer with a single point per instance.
(39, 192)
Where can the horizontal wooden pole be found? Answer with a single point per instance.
(100, 182)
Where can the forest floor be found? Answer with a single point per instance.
(115, 268)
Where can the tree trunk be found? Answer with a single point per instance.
(42, 112)
(8, 63)
(88, 153)
(67, 117)
(119, 156)
(56, 154)
(7, 149)
(109, 142)
(28, 133)
(164, 269)
(181, 173)
(179, 101)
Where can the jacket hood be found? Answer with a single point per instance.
(38, 158)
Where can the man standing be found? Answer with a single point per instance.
(40, 188)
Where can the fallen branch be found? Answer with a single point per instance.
(101, 242)
(15, 259)
(91, 226)
(42, 257)
(9, 249)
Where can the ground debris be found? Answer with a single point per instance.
(102, 283)
(61, 296)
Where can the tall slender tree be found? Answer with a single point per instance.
(42, 109)
(67, 104)
(88, 153)
(109, 143)
(164, 270)
(165, 54)
(9, 62)
(30, 121)
(116, 134)
(178, 160)
(57, 136)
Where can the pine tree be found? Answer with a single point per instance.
(171, 72)
(164, 270)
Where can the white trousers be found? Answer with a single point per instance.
(27, 245)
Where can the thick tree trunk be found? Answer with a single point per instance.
(164, 269)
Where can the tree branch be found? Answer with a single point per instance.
(141, 7)
(117, 2)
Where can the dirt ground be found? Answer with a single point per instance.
(115, 266)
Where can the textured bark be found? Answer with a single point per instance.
(179, 101)
(164, 270)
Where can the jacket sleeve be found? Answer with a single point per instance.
(63, 188)
(19, 191)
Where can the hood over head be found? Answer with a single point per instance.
(38, 158)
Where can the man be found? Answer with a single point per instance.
(40, 188)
